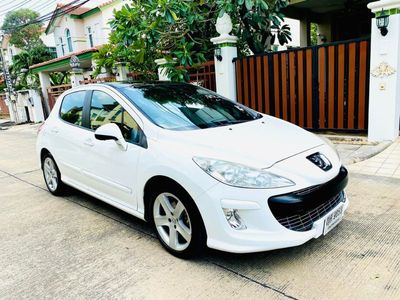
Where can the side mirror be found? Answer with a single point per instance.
(109, 132)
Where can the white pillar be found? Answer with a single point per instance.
(162, 73)
(38, 115)
(76, 77)
(384, 93)
(45, 83)
(122, 71)
(225, 52)
(304, 31)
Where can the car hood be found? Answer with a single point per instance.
(260, 143)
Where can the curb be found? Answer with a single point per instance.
(372, 152)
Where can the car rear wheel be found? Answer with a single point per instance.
(178, 223)
(52, 176)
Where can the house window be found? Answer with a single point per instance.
(69, 40)
(90, 36)
(61, 46)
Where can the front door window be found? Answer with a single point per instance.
(105, 109)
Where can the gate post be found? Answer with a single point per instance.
(76, 77)
(225, 52)
(384, 93)
(122, 71)
(162, 71)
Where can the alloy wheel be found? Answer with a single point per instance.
(172, 221)
(50, 174)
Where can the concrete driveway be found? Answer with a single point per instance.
(77, 247)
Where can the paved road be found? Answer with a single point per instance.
(77, 247)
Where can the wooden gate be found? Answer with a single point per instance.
(203, 75)
(55, 91)
(322, 88)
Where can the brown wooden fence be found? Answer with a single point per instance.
(55, 91)
(98, 80)
(203, 75)
(322, 88)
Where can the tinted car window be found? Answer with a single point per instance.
(72, 108)
(105, 109)
(186, 106)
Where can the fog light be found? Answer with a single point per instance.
(233, 218)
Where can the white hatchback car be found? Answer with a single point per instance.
(202, 169)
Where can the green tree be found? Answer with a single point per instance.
(23, 37)
(20, 71)
(180, 31)
(314, 34)
(257, 23)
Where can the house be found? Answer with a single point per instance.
(82, 28)
(335, 20)
(77, 33)
(9, 50)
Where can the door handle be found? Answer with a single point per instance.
(89, 142)
(54, 130)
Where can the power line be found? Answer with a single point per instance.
(60, 11)
(15, 7)
(11, 4)
(43, 5)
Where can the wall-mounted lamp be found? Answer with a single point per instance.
(218, 53)
(382, 23)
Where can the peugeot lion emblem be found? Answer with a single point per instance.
(320, 161)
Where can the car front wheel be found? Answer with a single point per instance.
(178, 224)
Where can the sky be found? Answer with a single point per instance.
(41, 6)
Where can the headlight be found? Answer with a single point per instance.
(241, 176)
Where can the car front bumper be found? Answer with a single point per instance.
(263, 230)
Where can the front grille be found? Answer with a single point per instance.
(298, 210)
(305, 220)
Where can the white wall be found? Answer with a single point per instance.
(95, 22)
(76, 28)
(48, 39)
(98, 23)
(295, 31)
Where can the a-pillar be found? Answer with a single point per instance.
(225, 53)
(122, 71)
(384, 93)
(76, 77)
(45, 83)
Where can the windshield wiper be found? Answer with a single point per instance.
(229, 122)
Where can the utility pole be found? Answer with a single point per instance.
(7, 77)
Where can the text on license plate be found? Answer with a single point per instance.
(333, 218)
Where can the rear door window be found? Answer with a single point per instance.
(72, 108)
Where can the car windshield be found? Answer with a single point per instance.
(186, 106)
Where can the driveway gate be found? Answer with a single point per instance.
(324, 87)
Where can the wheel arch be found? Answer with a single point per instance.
(156, 183)
(43, 153)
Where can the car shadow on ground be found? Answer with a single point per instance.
(214, 256)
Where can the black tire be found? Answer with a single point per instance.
(197, 243)
(60, 188)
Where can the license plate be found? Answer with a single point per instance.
(333, 218)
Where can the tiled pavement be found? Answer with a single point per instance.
(386, 163)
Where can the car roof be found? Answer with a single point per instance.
(139, 84)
